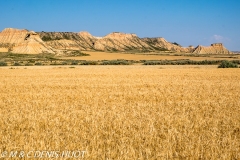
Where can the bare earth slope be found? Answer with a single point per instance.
(69, 40)
(24, 41)
(118, 41)
(161, 44)
(115, 41)
(216, 48)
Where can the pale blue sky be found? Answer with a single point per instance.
(187, 22)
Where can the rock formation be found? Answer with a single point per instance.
(22, 41)
(162, 45)
(216, 48)
(69, 40)
(115, 41)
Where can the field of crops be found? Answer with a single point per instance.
(122, 112)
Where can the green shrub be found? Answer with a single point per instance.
(28, 64)
(236, 61)
(180, 62)
(116, 62)
(46, 38)
(88, 63)
(153, 63)
(16, 64)
(76, 53)
(3, 63)
(55, 63)
(74, 63)
(64, 63)
(38, 64)
(31, 61)
(175, 43)
(227, 64)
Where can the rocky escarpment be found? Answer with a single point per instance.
(216, 48)
(115, 41)
(162, 45)
(69, 40)
(22, 41)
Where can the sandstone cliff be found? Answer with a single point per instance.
(69, 40)
(22, 41)
(162, 45)
(216, 48)
(115, 41)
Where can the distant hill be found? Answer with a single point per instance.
(216, 48)
(236, 52)
(24, 41)
(115, 41)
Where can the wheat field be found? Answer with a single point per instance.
(122, 112)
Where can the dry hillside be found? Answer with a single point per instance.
(216, 48)
(115, 41)
(24, 41)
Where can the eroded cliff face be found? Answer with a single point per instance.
(115, 41)
(69, 40)
(216, 48)
(163, 45)
(22, 41)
